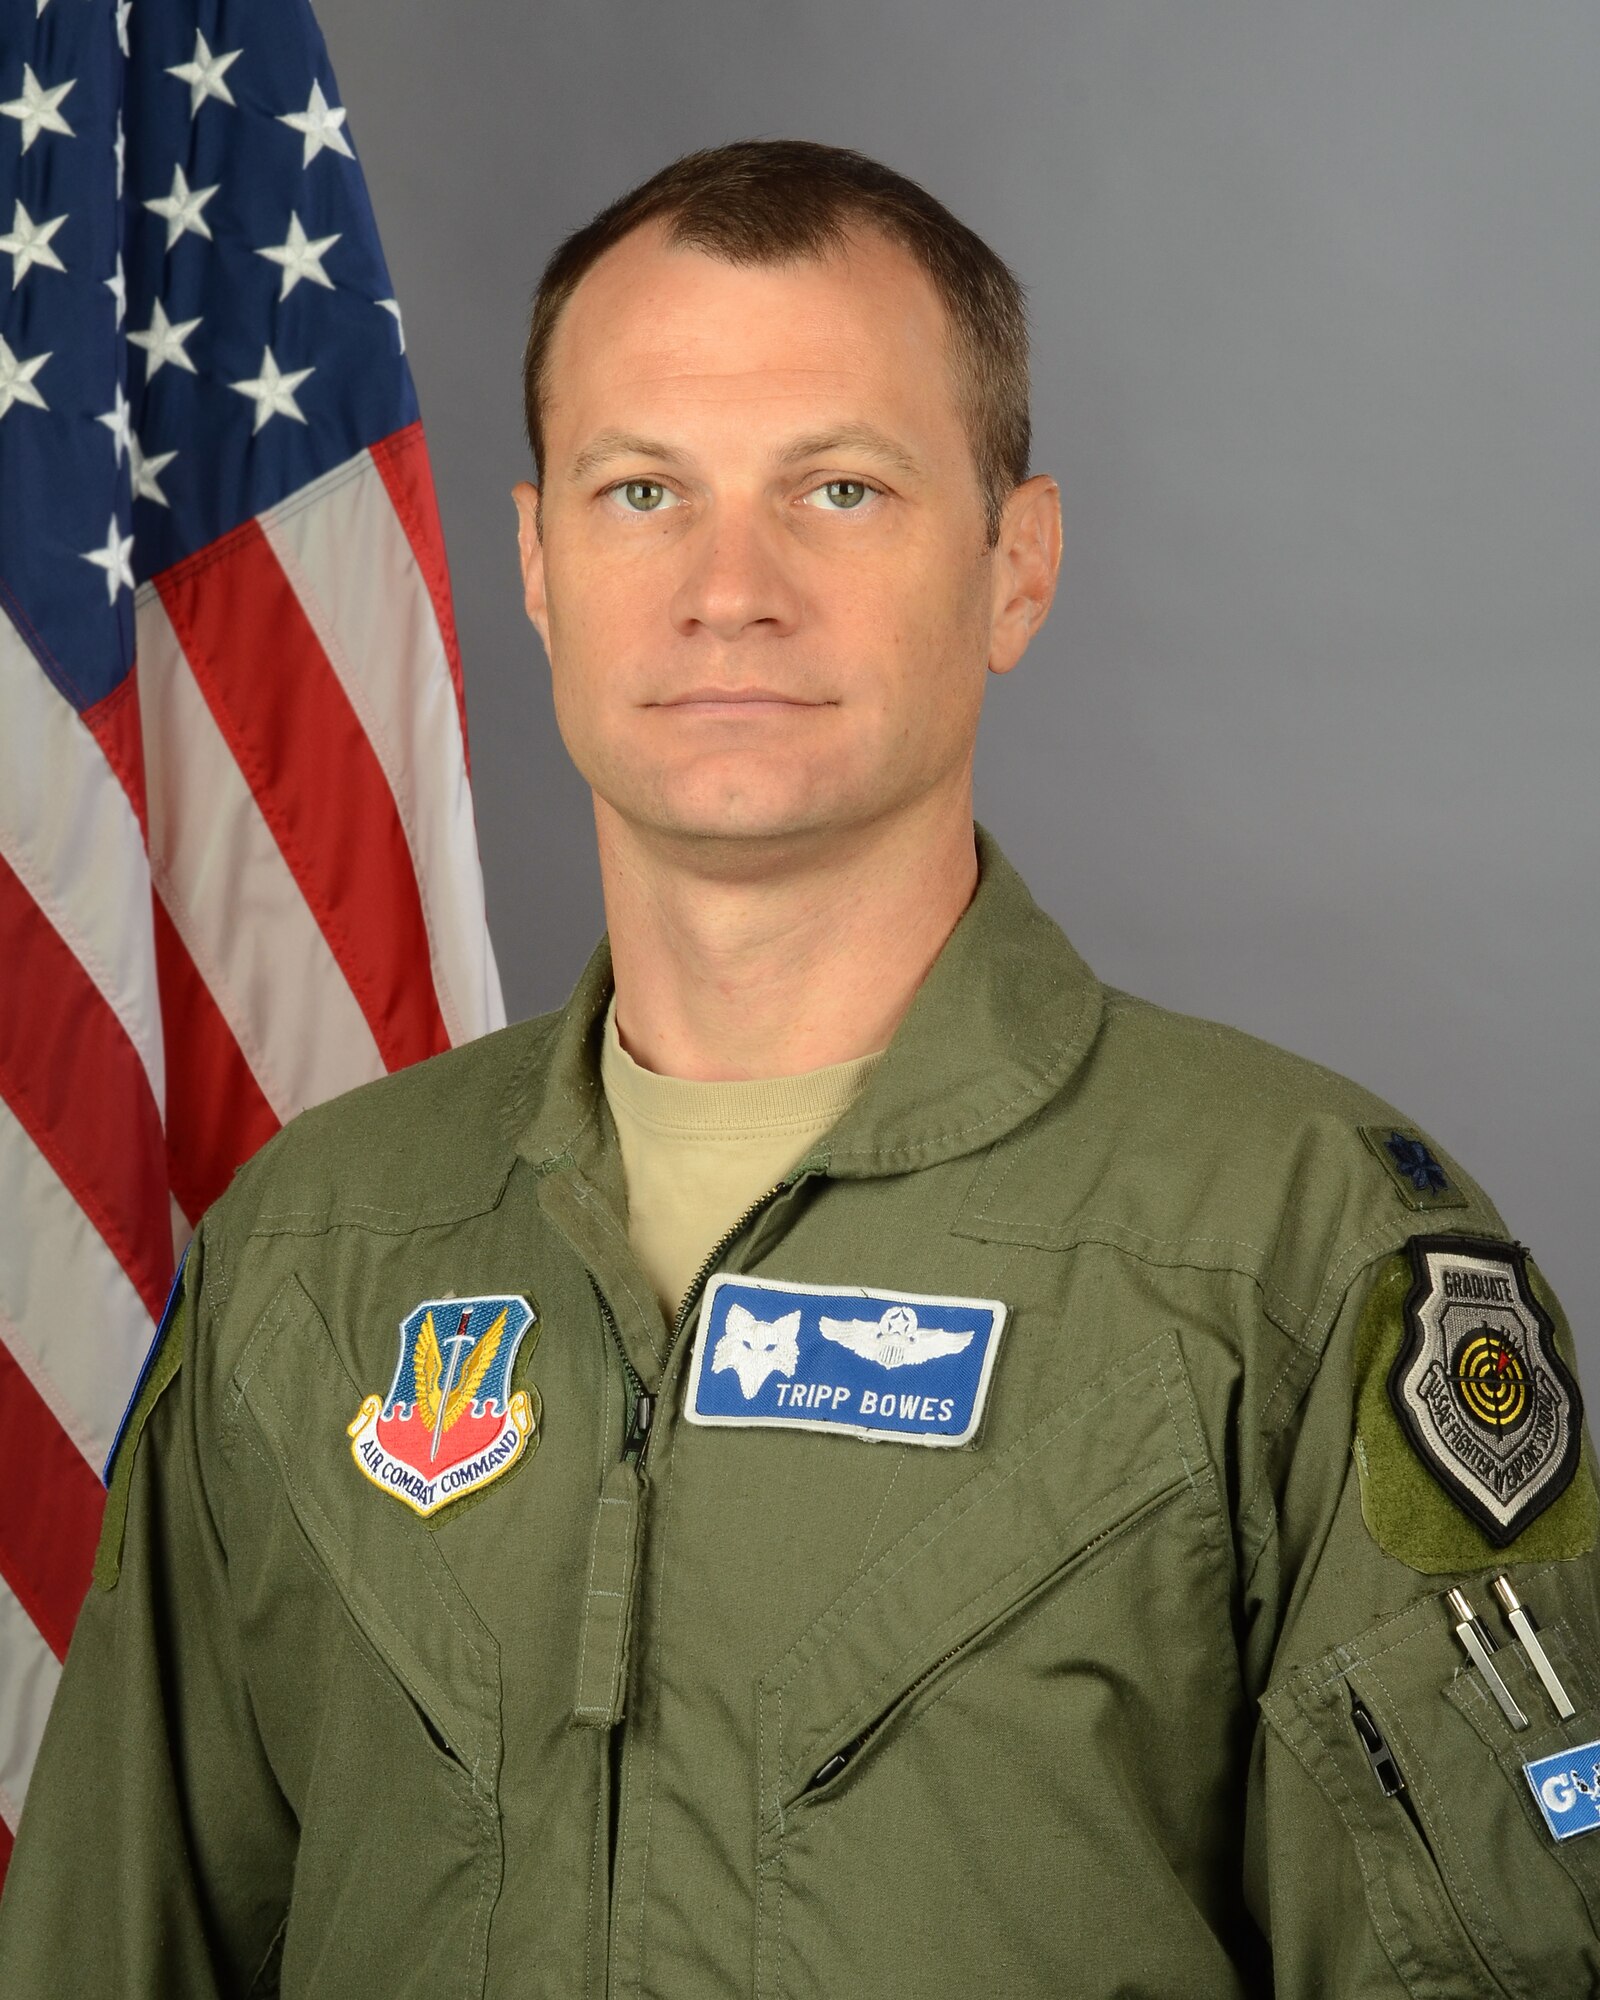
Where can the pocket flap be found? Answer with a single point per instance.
(379, 1557)
(1102, 1455)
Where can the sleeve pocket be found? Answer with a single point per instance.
(1466, 1889)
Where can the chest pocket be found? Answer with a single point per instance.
(1466, 1888)
(377, 1684)
(845, 1848)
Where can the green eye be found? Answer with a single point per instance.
(844, 494)
(644, 496)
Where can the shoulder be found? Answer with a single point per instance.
(421, 1146)
(1188, 1143)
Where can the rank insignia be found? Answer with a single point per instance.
(1486, 1401)
(1406, 1157)
(451, 1421)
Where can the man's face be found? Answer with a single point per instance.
(762, 581)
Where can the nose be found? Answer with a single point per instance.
(735, 580)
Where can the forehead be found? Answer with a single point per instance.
(658, 327)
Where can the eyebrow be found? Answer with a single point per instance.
(851, 437)
(607, 445)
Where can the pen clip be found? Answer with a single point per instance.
(1526, 1635)
(1478, 1646)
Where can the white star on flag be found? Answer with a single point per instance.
(301, 256)
(320, 123)
(118, 288)
(37, 107)
(124, 9)
(16, 379)
(29, 244)
(146, 471)
(116, 421)
(113, 559)
(120, 148)
(182, 207)
(273, 390)
(163, 342)
(204, 73)
(393, 306)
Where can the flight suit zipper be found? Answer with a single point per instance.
(624, 1486)
(606, 1633)
(641, 1404)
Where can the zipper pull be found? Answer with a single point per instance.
(830, 1770)
(1379, 1755)
(644, 1410)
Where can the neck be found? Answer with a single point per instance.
(732, 963)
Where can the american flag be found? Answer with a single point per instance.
(238, 866)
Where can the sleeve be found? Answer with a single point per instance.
(155, 1849)
(1397, 1841)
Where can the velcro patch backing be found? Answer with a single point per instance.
(1407, 1510)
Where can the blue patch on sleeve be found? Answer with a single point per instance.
(1567, 1787)
(168, 1314)
(900, 1367)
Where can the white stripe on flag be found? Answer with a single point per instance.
(71, 835)
(345, 553)
(228, 889)
(29, 1672)
(68, 1310)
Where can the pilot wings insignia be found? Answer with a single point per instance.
(895, 1340)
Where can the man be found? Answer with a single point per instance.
(852, 1460)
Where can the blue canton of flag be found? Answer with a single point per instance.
(195, 315)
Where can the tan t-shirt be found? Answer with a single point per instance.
(696, 1155)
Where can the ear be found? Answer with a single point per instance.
(530, 549)
(1027, 557)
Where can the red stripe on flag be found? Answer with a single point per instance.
(114, 724)
(402, 462)
(216, 1113)
(7, 1842)
(319, 785)
(73, 1078)
(50, 1507)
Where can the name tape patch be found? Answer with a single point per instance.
(451, 1421)
(902, 1367)
(1567, 1787)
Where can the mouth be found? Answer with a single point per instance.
(750, 703)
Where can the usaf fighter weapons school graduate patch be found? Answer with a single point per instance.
(451, 1421)
(1482, 1393)
(1441, 1419)
(898, 1367)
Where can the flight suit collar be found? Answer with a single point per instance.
(1005, 1015)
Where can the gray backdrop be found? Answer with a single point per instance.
(1309, 743)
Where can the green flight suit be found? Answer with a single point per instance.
(1065, 1711)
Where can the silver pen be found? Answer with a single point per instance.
(1527, 1634)
(1478, 1646)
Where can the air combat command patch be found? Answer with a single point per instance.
(1487, 1402)
(451, 1421)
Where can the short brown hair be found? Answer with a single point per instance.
(770, 201)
